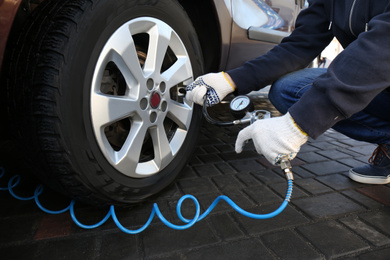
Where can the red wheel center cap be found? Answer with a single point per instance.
(155, 100)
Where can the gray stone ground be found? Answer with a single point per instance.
(329, 217)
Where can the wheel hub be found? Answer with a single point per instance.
(155, 100)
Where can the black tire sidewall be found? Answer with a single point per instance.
(85, 45)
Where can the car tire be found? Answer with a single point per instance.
(96, 93)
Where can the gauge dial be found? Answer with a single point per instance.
(240, 105)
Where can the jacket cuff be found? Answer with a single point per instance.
(314, 113)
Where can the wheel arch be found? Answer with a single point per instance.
(13, 13)
(205, 19)
(203, 14)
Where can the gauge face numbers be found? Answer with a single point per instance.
(240, 105)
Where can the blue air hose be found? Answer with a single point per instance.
(14, 181)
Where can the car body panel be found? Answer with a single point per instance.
(235, 17)
(274, 17)
(8, 9)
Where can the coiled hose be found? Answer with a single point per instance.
(14, 181)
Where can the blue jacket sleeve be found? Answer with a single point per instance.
(310, 37)
(353, 80)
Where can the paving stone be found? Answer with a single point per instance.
(199, 150)
(379, 254)
(194, 160)
(312, 186)
(262, 195)
(210, 150)
(197, 186)
(207, 170)
(69, 248)
(332, 239)
(225, 168)
(243, 249)
(169, 193)
(365, 231)
(355, 143)
(351, 162)
(210, 158)
(324, 145)
(379, 219)
(327, 167)
(187, 173)
(17, 208)
(288, 245)
(364, 150)
(53, 226)
(119, 245)
(24, 251)
(165, 240)
(308, 148)
(363, 159)
(326, 205)
(225, 227)
(18, 229)
(324, 138)
(334, 134)
(247, 166)
(242, 157)
(268, 177)
(227, 182)
(333, 154)
(202, 140)
(339, 144)
(224, 148)
(348, 151)
(378, 192)
(311, 157)
(338, 182)
(248, 179)
(289, 217)
(299, 171)
(362, 199)
(168, 256)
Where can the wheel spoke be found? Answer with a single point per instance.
(181, 114)
(162, 149)
(127, 59)
(108, 109)
(160, 36)
(127, 158)
(179, 72)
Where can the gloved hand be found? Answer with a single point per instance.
(275, 138)
(216, 85)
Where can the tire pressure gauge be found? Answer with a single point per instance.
(240, 105)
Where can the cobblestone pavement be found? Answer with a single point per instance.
(329, 215)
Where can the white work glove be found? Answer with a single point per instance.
(216, 85)
(275, 138)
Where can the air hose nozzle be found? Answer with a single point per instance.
(286, 167)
